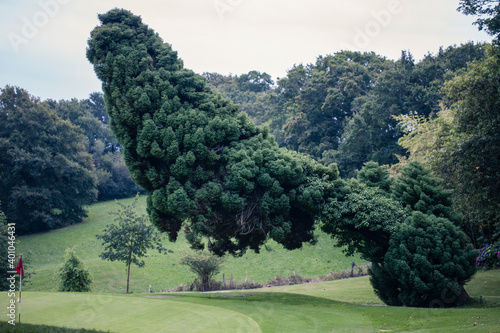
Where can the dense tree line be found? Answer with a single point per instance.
(351, 108)
(56, 157)
(340, 109)
(113, 178)
(45, 172)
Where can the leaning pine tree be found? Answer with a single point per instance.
(210, 171)
(205, 166)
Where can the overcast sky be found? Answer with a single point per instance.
(42, 43)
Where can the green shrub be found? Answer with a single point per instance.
(427, 264)
(205, 266)
(73, 274)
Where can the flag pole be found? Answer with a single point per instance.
(20, 283)
(20, 270)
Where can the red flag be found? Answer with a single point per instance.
(19, 268)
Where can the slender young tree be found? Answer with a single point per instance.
(130, 238)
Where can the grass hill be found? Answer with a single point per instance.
(46, 252)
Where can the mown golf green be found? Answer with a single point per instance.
(337, 306)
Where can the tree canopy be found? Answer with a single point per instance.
(130, 238)
(488, 12)
(45, 172)
(113, 179)
(461, 145)
(204, 165)
(210, 171)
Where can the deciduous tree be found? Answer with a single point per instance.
(130, 238)
(488, 12)
(45, 173)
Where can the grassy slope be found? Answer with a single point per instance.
(345, 306)
(319, 307)
(163, 271)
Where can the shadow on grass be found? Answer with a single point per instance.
(268, 297)
(28, 328)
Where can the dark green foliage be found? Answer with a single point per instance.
(417, 189)
(203, 164)
(73, 274)
(428, 259)
(113, 178)
(471, 160)
(45, 173)
(427, 264)
(324, 102)
(130, 238)
(362, 219)
(415, 255)
(371, 133)
(373, 175)
(204, 265)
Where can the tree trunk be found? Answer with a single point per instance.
(205, 284)
(128, 276)
(463, 297)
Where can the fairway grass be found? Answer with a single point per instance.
(336, 306)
